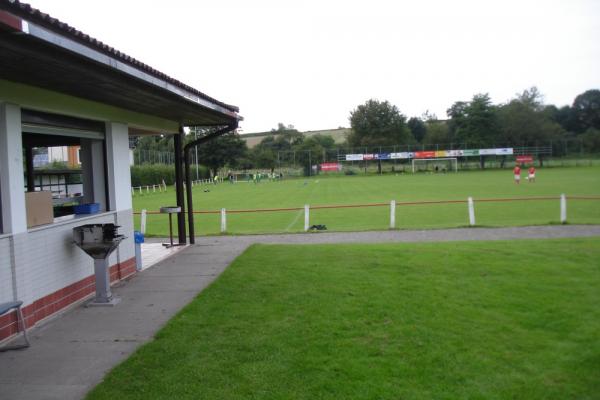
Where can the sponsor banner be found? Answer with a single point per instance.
(424, 154)
(430, 154)
(354, 157)
(401, 156)
(524, 159)
(504, 151)
(454, 153)
(469, 153)
(331, 167)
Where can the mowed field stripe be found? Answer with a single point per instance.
(307, 201)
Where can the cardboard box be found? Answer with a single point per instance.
(39, 208)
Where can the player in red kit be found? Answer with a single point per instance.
(531, 176)
(517, 173)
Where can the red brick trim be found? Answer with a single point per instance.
(10, 22)
(62, 298)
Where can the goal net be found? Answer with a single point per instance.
(440, 165)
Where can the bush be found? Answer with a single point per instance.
(152, 174)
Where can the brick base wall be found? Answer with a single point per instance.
(60, 299)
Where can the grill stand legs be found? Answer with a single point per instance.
(104, 297)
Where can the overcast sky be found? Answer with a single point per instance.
(309, 63)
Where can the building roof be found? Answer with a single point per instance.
(40, 50)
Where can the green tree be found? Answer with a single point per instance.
(228, 149)
(586, 110)
(525, 121)
(378, 123)
(287, 134)
(154, 149)
(436, 132)
(417, 128)
(563, 116)
(313, 151)
(263, 157)
(473, 123)
(284, 138)
(521, 125)
(531, 98)
(591, 140)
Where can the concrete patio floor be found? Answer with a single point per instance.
(71, 353)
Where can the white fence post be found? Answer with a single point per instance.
(143, 222)
(471, 212)
(223, 220)
(392, 214)
(306, 217)
(563, 209)
(140, 190)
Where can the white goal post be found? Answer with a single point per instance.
(451, 160)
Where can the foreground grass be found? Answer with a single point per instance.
(491, 320)
(382, 189)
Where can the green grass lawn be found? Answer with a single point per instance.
(381, 189)
(478, 320)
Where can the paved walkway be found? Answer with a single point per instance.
(71, 354)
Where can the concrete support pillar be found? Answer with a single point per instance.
(117, 156)
(12, 182)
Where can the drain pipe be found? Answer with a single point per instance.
(188, 181)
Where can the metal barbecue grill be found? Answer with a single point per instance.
(99, 241)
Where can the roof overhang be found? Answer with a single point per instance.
(35, 55)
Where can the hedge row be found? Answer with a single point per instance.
(154, 174)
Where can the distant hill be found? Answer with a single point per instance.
(339, 135)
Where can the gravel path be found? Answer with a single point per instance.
(439, 235)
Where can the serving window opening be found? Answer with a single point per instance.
(64, 167)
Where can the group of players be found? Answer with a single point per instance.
(517, 173)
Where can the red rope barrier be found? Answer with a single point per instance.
(517, 199)
(404, 203)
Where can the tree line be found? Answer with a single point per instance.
(523, 121)
(478, 123)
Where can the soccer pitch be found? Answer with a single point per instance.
(351, 190)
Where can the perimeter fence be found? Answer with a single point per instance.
(564, 153)
(394, 215)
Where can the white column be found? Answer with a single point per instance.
(392, 214)
(143, 222)
(306, 217)
(563, 209)
(117, 158)
(223, 220)
(12, 181)
(471, 212)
